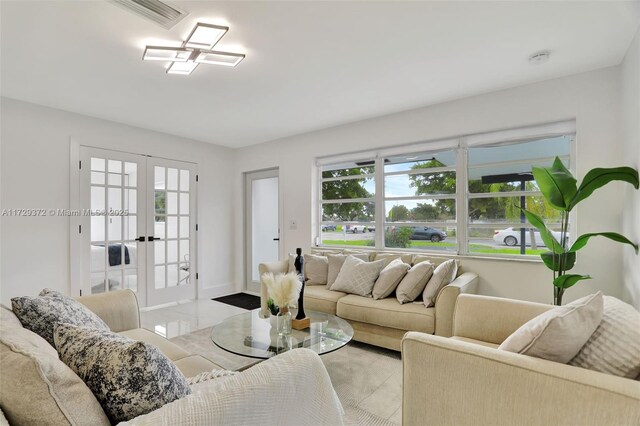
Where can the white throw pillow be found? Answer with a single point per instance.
(357, 276)
(558, 334)
(389, 278)
(414, 282)
(335, 264)
(614, 347)
(316, 269)
(442, 275)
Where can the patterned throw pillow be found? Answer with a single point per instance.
(357, 276)
(614, 348)
(335, 265)
(40, 314)
(128, 378)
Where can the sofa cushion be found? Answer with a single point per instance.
(129, 378)
(614, 348)
(40, 314)
(193, 365)
(389, 257)
(357, 276)
(36, 388)
(316, 269)
(389, 278)
(335, 265)
(443, 274)
(321, 299)
(170, 350)
(414, 282)
(387, 313)
(558, 334)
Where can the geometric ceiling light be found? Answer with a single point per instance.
(195, 50)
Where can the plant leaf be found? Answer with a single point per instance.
(597, 178)
(546, 235)
(568, 280)
(552, 260)
(583, 239)
(556, 183)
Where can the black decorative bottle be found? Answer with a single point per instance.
(299, 264)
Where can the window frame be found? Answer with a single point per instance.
(461, 147)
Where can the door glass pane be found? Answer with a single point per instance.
(183, 274)
(184, 250)
(114, 199)
(131, 200)
(131, 279)
(184, 203)
(264, 223)
(172, 227)
(131, 228)
(158, 228)
(159, 252)
(184, 226)
(115, 172)
(172, 203)
(114, 228)
(160, 280)
(172, 179)
(97, 228)
(172, 275)
(184, 180)
(97, 164)
(115, 280)
(97, 198)
(97, 178)
(130, 174)
(161, 202)
(172, 251)
(159, 177)
(98, 280)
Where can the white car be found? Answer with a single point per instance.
(511, 236)
(361, 228)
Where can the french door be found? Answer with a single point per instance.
(137, 225)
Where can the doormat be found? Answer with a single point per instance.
(240, 300)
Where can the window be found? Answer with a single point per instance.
(458, 196)
(348, 204)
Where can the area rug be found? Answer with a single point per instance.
(240, 300)
(367, 379)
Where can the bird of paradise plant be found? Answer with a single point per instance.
(561, 190)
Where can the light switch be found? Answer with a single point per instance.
(293, 224)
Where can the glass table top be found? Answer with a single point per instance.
(249, 335)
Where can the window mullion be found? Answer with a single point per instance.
(462, 205)
(379, 204)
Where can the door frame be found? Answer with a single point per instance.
(76, 221)
(248, 177)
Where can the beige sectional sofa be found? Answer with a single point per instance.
(36, 388)
(466, 380)
(383, 322)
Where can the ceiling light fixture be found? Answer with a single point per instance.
(195, 50)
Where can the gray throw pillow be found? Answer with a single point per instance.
(40, 314)
(414, 282)
(558, 334)
(442, 276)
(357, 276)
(128, 378)
(389, 278)
(614, 348)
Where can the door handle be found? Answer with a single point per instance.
(276, 239)
(141, 239)
(152, 238)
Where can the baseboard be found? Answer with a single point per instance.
(216, 291)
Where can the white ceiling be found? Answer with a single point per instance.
(309, 65)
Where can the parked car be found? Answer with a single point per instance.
(428, 233)
(361, 228)
(511, 236)
(327, 228)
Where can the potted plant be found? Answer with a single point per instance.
(561, 191)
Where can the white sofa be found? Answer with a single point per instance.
(382, 322)
(291, 388)
(466, 380)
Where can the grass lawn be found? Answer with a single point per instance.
(473, 248)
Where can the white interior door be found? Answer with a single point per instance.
(138, 225)
(262, 223)
(112, 202)
(172, 231)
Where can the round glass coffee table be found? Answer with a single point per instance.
(249, 335)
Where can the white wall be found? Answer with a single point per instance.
(630, 90)
(35, 174)
(591, 98)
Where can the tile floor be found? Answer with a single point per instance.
(367, 379)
